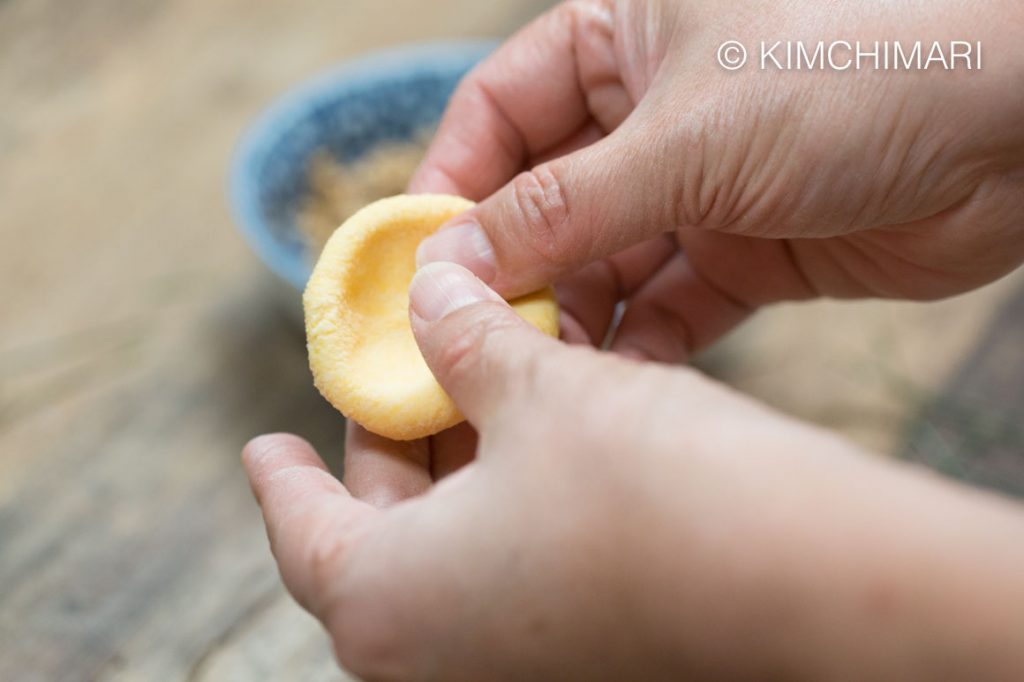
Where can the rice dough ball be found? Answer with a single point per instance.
(364, 358)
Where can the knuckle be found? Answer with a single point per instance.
(539, 199)
(270, 446)
(332, 546)
(285, 483)
(732, 179)
(698, 197)
(709, 192)
(287, 478)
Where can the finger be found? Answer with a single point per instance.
(710, 287)
(527, 97)
(382, 472)
(308, 513)
(590, 295)
(587, 300)
(451, 450)
(559, 216)
(571, 330)
(675, 314)
(481, 352)
(586, 305)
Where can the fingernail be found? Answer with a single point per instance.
(439, 289)
(463, 242)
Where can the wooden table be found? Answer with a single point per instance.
(142, 343)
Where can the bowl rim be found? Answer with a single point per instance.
(287, 108)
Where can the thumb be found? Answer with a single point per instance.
(561, 215)
(481, 352)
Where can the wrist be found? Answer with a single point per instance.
(908, 577)
(858, 568)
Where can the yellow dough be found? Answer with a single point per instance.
(364, 358)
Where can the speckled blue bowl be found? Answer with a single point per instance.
(384, 96)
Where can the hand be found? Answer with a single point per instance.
(632, 521)
(652, 176)
(608, 125)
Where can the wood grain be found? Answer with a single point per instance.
(974, 429)
(142, 344)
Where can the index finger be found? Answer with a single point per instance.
(526, 98)
(312, 521)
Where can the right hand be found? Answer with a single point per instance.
(627, 520)
(609, 125)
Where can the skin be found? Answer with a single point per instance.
(724, 540)
(675, 531)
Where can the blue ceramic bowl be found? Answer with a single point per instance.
(383, 97)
